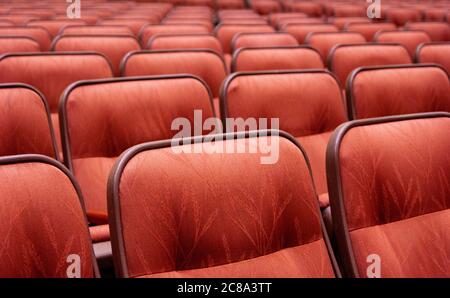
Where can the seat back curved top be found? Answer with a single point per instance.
(150, 30)
(44, 228)
(397, 89)
(134, 24)
(184, 41)
(410, 39)
(96, 30)
(368, 30)
(389, 184)
(436, 52)
(40, 34)
(438, 31)
(263, 39)
(11, 44)
(232, 212)
(300, 31)
(275, 58)
(343, 59)
(55, 26)
(225, 33)
(102, 118)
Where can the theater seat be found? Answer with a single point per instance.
(368, 30)
(399, 89)
(44, 229)
(150, 30)
(11, 44)
(55, 26)
(300, 31)
(410, 39)
(438, 31)
(41, 35)
(434, 53)
(96, 30)
(255, 40)
(134, 24)
(343, 59)
(237, 218)
(185, 41)
(102, 118)
(389, 185)
(273, 58)
(25, 124)
(308, 104)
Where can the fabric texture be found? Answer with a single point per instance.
(436, 53)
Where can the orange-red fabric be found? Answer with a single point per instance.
(274, 18)
(263, 40)
(254, 59)
(107, 118)
(396, 196)
(300, 31)
(24, 123)
(368, 30)
(349, 10)
(401, 16)
(342, 22)
(435, 53)
(113, 47)
(325, 41)
(186, 41)
(410, 39)
(225, 33)
(39, 34)
(42, 223)
(96, 30)
(18, 44)
(312, 9)
(347, 58)
(150, 30)
(135, 25)
(438, 31)
(224, 224)
(54, 26)
(396, 91)
(99, 233)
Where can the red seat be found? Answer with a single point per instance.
(134, 24)
(239, 218)
(41, 35)
(438, 31)
(300, 31)
(275, 58)
(150, 30)
(44, 230)
(368, 30)
(394, 90)
(389, 185)
(401, 16)
(97, 30)
(434, 53)
(343, 59)
(308, 104)
(102, 118)
(245, 40)
(342, 22)
(11, 44)
(410, 39)
(55, 26)
(185, 41)
(113, 47)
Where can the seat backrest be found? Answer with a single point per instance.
(410, 39)
(308, 104)
(41, 35)
(102, 118)
(226, 32)
(401, 16)
(255, 40)
(113, 47)
(150, 30)
(368, 30)
(52, 72)
(438, 31)
(323, 42)
(25, 125)
(394, 90)
(389, 185)
(263, 218)
(434, 53)
(14, 44)
(300, 31)
(55, 26)
(206, 64)
(96, 30)
(44, 230)
(275, 58)
(185, 41)
(343, 59)
(135, 25)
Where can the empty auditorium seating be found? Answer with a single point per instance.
(308, 104)
(273, 58)
(44, 229)
(438, 31)
(410, 39)
(41, 35)
(25, 125)
(394, 90)
(102, 118)
(274, 18)
(323, 42)
(10, 44)
(96, 30)
(55, 26)
(342, 22)
(401, 16)
(244, 40)
(184, 41)
(134, 24)
(369, 29)
(113, 47)
(345, 58)
(434, 53)
(389, 180)
(300, 31)
(218, 227)
(150, 30)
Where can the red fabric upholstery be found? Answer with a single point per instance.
(244, 40)
(239, 218)
(185, 41)
(104, 119)
(410, 39)
(395, 185)
(150, 30)
(345, 58)
(96, 30)
(401, 16)
(25, 125)
(225, 33)
(435, 53)
(40, 35)
(309, 106)
(135, 24)
(113, 47)
(300, 31)
(276, 58)
(18, 44)
(342, 22)
(368, 30)
(99, 233)
(55, 26)
(43, 222)
(323, 42)
(394, 91)
(274, 18)
(438, 31)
